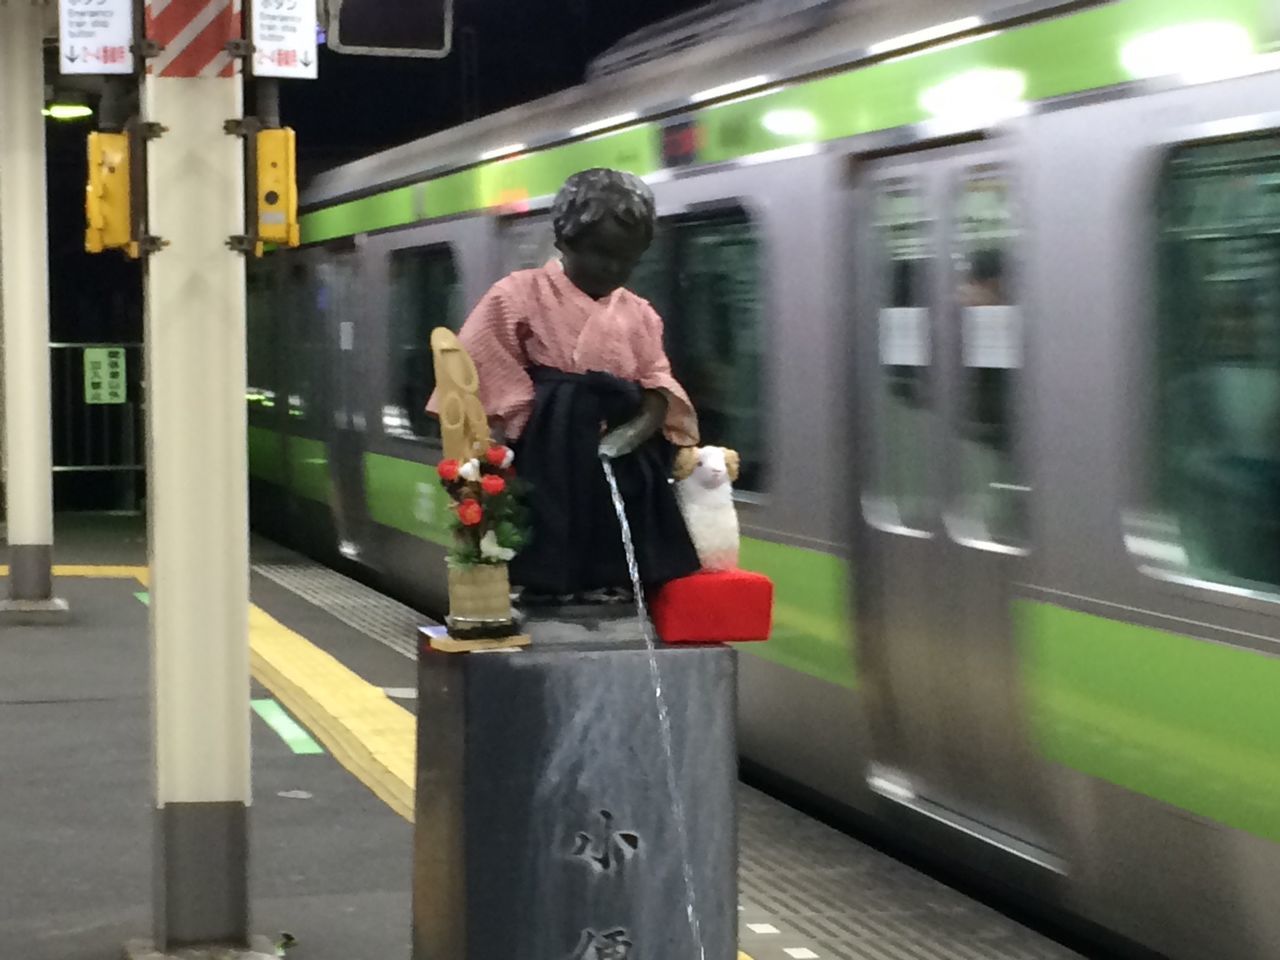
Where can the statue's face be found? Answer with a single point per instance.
(601, 259)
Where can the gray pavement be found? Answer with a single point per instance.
(330, 862)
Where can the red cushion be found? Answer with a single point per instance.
(731, 606)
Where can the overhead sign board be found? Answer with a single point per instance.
(284, 39)
(95, 36)
(391, 28)
(104, 375)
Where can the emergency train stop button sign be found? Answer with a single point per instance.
(104, 375)
(284, 39)
(95, 36)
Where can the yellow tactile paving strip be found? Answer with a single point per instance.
(364, 730)
(141, 574)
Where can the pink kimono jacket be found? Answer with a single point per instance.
(539, 318)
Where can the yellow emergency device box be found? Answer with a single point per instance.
(277, 189)
(108, 202)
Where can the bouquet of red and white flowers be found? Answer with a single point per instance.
(489, 524)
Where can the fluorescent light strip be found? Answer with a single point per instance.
(927, 35)
(945, 45)
(728, 89)
(1248, 66)
(605, 124)
(508, 150)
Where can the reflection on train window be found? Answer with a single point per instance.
(425, 294)
(651, 278)
(336, 301)
(261, 331)
(527, 243)
(306, 363)
(993, 500)
(702, 275)
(1218, 419)
(905, 420)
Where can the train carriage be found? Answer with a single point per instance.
(991, 308)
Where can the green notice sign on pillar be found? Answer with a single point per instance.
(104, 375)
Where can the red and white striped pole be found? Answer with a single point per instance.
(193, 36)
(196, 480)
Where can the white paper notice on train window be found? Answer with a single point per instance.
(993, 337)
(904, 337)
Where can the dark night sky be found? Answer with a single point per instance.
(506, 52)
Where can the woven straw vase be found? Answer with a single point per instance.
(480, 593)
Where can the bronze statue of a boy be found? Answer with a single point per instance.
(572, 369)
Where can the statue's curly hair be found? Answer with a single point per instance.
(591, 195)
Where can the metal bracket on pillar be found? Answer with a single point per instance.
(151, 130)
(142, 132)
(239, 48)
(247, 128)
(147, 48)
(148, 245)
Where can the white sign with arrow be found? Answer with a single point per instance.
(284, 39)
(95, 36)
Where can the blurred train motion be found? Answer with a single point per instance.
(988, 299)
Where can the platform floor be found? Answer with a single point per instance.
(330, 852)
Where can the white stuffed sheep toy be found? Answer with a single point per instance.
(704, 487)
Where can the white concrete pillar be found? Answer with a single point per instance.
(198, 512)
(24, 285)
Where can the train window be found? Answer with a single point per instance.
(527, 243)
(425, 294)
(714, 330)
(702, 276)
(261, 332)
(992, 489)
(306, 363)
(905, 234)
(335, 296)
(1217, 421)
(652, 277)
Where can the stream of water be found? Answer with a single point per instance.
(664, 715)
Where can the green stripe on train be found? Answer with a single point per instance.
(812, 629)
(1068, 54)
(1182, 720)
(309, 469)
(266, 455)
(408, 497)
(519, 178)
(1187, 721)
(298, 463)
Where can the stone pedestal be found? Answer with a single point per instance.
(545, 827)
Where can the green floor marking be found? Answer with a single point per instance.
(299, 740)
(144, 597)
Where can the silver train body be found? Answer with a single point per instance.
(946, 737)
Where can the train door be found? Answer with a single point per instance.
(338, 297)
(944, 518)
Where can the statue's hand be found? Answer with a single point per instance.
(613, 445)
(625, 439)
